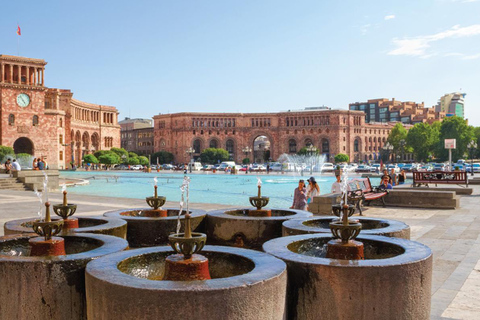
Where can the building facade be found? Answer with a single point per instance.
(269, 135)
(452, 104)
(384, 110)
(48, 122)
(137, 135)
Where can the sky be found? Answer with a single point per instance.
(151, 57)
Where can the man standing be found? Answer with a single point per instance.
(393, 177)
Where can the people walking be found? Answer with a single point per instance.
(313, 190)
(300, 196)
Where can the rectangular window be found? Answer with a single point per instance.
(60, 156)
(60, 139)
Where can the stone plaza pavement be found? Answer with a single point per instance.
(453, 236)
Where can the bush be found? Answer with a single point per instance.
(304, 151)
(246, 161)
(109, 158)
(143, 161)
(90, 158)
(4, 151)
(341, 157)
(214, 155)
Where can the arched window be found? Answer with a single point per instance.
(292, 146)
(230, 146)
(213, 144)
(308, 142)
(11, 120)
(355, 145)
(35, 120)
(196, 145)
(325, 146)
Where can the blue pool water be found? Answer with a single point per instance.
(204, 188)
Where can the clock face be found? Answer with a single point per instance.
(23, 100)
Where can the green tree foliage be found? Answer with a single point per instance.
(133, 161)
(397, 134)
(454, 128)
(109, 158)
(90, 158)
(341, 157)
(163, 157)
(246, 161)
(121, 152)
(423, 138)
(304, 151)
(4, 151)
(214, 155)
(143, 160)
(100, 153)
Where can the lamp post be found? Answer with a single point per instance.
(310, 151)
(247, 150)
(389, 147)
(190, 151)
(472, 145)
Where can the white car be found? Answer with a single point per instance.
(328, 167)
(136, 167)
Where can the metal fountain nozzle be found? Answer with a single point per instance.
(187, 243)
(345, 229)
(65, 209)
(155, 202)
(47, 228)
(259, 201)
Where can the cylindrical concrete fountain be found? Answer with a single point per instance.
(48, 287)
(370, 226)
(235, 227)
(244, 285)
(392, 282)
(86, 224)
(145, 228)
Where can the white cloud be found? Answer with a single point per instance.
(463, 56)
(417, 46)
(364, 29)
(389, 17)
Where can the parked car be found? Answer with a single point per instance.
(375, 167)
(476, 167)
(440, 167)
(167, 166)
(243, 168)
(121, 167)
(394, 167)
(409, 167)
(136, 167)
(225, 164)
(276, 166)
(362, 168)
(328, 167)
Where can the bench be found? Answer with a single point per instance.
(361, 190)
(439, 177)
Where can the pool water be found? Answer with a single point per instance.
(204, 188)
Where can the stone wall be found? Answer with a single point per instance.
(33, 179)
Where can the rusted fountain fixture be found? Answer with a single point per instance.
(345, 231)
(259, 202)
(66, 211)
(246, 227)
(221, 283)
(47, 244)
(156, 203)
(187, 264)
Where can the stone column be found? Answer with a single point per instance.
(27, 80)
(35, 76)
(2, 73)
(19, 74)
(43, 80)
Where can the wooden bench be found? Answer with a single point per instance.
(361, 190)
(439, 177)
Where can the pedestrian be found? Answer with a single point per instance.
(41, 164)
(313, 190)
(385, 184)
(300, 196)
(35, 164)
(393, 177)
(8, 166)
(15, 166)
(337, 185)
(268, 168)
(402, 177)
(385, 174)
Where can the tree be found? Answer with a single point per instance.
(214, 155)
(422, 138)
(99, 153)
(454, 128)
(133, 161)
(143, 161)
(246, 161)
(163, 157)
(90, 158)
(109, 158)
(341, 157)
(120, 151)
(304, 151)
(5, 151)
(397, 134)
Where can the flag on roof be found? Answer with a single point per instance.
(19, 32)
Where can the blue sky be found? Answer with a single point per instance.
(150, 57)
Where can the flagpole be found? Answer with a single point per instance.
(18, 46)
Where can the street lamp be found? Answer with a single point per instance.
(190, 151)
(311, 149)
(247, 150)
(389, 147)
(472, 145)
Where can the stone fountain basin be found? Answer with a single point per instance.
(146, 229)
(233, 227)
(87, 224)
(393, 282)
(370, 226)
(245, 284)
(49, 287)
